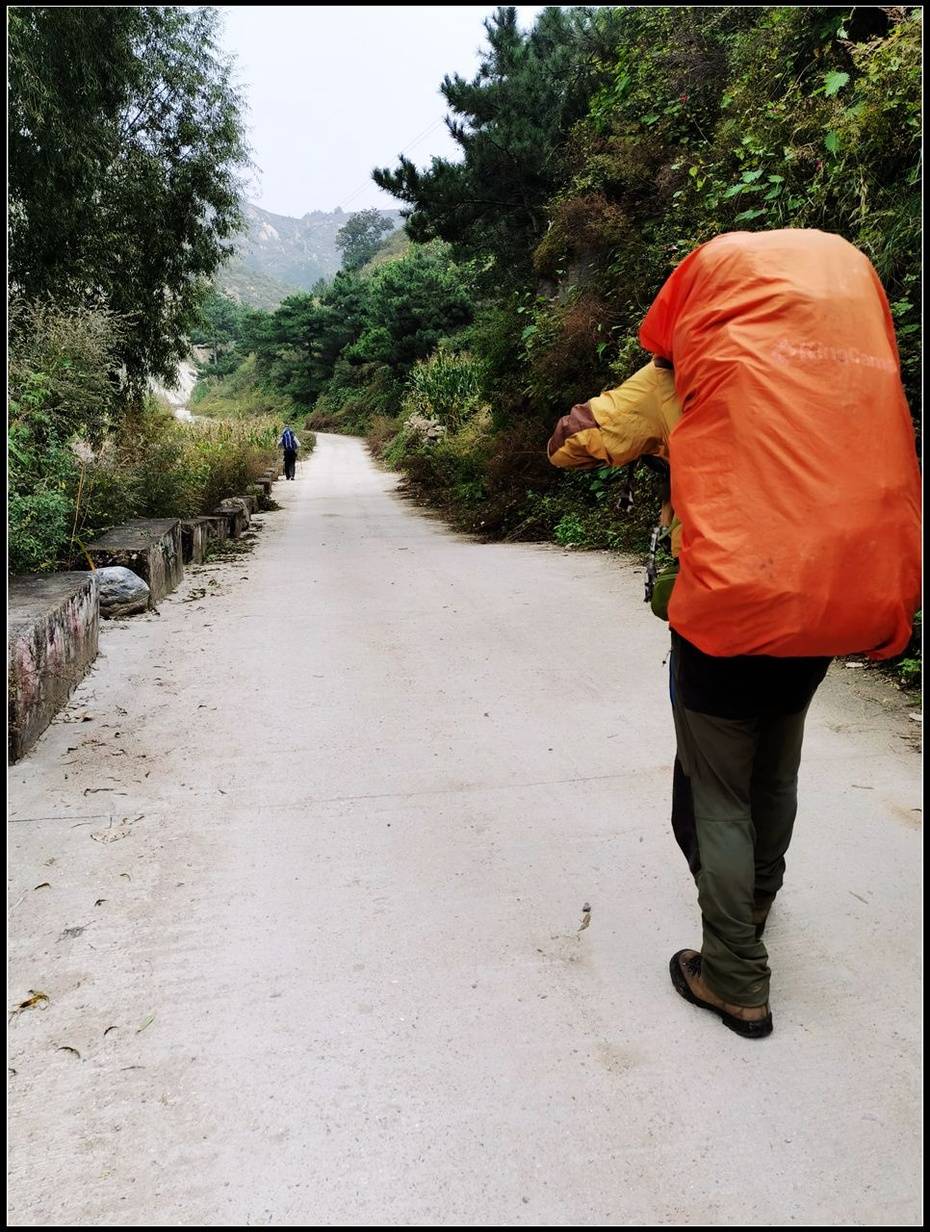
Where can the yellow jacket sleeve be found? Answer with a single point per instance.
(613, 429)
(620, 426)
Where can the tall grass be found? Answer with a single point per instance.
(238, 395)
(446, 387)
(158, 466)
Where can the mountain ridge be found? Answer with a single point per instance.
(277, 255)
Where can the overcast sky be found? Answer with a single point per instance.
(333, 92)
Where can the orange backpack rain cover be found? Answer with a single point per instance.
(794, 469)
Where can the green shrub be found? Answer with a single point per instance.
(62, 376)
(446, 387)
(62, 386)
(355, 395)
(158, 466)
(908, 668)
(323, 420)
(381, 431)
(40, 512)
(240, 395)
(80, 460)
(703, 120)
(570, 531)
(909, 672)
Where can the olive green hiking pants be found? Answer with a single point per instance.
(742, 778)
(740, 726)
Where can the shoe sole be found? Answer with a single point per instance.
(749, 1030)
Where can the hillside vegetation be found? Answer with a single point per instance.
(276, 256)
(597, 150)
(126, 149)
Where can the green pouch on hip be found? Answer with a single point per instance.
(662, 591)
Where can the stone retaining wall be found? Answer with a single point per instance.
(217, 525)
(236, 510)
(54, 620)
(196, 534)
(54, 624)
(150, 547)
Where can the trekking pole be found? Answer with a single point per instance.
(658, 533)
(651, 563)
(626, 501)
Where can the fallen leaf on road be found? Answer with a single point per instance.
(148, 1022)
(585, 916)
(71, 932)
(66, 1048)
(33, 1001)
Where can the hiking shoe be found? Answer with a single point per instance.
(752, 1022)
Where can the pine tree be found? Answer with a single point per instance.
(510, 122)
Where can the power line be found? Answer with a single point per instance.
(416, 141)
(406, 150)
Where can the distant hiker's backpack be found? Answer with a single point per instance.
(794, 470)
(288, 439)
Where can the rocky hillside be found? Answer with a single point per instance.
(277, 255)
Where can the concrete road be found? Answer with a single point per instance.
(312, 847)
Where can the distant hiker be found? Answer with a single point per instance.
(290, 444)
(796, 497)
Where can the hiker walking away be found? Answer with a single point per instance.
(290, 444)
(797, 530)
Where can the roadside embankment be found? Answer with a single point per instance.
(55, 617)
